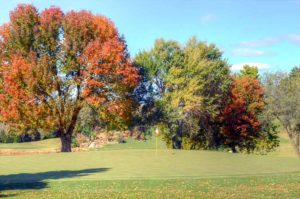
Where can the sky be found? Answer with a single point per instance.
(264, 33)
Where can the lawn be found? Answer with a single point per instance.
(43, 144)
(137, 170)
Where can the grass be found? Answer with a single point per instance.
(285, 148)
(243, 187)
(43, 144)
(136, 170)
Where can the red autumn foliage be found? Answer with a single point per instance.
(240, 122)
(52, 64)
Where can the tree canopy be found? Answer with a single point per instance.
(195, 82)
(54, 63)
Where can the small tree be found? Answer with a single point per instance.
(241, 125)
(247, 124)
(53, 64)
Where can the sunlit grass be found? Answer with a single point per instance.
(136, 170)
(43, 144)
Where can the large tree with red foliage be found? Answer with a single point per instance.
(52, 64)
(241, 124)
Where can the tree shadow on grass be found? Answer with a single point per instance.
(7, 195)
(23, 181)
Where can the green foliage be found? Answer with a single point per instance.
(74, 142)
(186, 144)
(88, 119)
(251, 71)
(158, 61)
(9, 137)
(88, 132)
(191, 85)
(268, 139)
(195, 93)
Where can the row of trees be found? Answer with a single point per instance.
(62, 71)
(200, 104)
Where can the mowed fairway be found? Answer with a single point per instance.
(137, 170)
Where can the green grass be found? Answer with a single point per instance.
(286, 186)
(136, 170)
(43, 144)
(285, 148)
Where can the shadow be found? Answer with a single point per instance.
(7, 195)
(23, 181)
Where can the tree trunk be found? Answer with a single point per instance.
(293, 140)
(233, 148)
(176, 143)
(297, 145)
(206, 124)
(66, 137)
(177, 138)
(65, 142)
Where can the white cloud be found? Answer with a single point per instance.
(208, 18)
(248, 52)
(292, 38)
(260, 66)
(260, 42)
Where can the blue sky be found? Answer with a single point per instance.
(265, 33)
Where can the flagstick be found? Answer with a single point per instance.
(156, 144)
(156, 135)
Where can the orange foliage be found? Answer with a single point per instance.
(52, 64)
(240, 120)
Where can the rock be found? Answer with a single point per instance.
(92, 145)
(126, 133)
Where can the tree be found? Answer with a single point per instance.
(283, 98)
(195, 81)
(241, 125)
(53, 64)
(154, 66)
(215, 77)
(247, 123)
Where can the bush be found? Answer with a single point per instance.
(88, 132)
(268, 139)
(74, 141)
(186, 144)
(7, 135)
